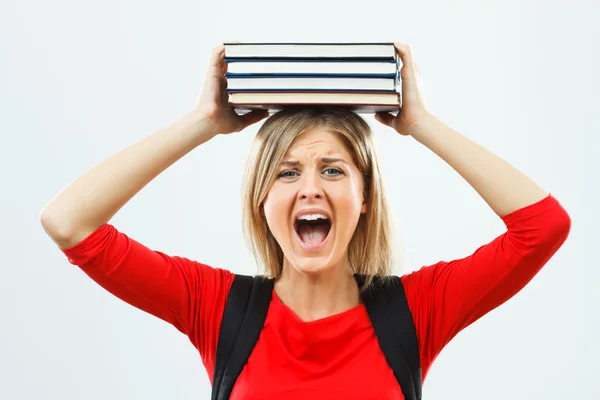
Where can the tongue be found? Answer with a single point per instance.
(312, 235)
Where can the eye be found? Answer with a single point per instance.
(290, 173)
(333, 171)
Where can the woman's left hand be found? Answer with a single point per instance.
(413, 108)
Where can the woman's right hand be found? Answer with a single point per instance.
(212, 103)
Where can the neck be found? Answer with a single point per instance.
(317, 295)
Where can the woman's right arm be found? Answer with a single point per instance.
(95, 197)
(189, 295)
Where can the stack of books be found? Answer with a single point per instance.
(361, 76)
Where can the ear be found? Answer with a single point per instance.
(363, 209)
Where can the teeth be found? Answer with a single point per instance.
(312, 217)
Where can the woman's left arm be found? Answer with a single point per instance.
(448, 296)
(503, 187)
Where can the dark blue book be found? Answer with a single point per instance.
(311, 83)
(284, 67)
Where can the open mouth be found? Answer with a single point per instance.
(312, 230)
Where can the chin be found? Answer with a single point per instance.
(312, 265)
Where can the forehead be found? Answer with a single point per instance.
(317, 141)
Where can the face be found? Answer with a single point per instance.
(314, 204)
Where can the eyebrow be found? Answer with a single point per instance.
(324, 160)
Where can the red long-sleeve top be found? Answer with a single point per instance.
(338, 356)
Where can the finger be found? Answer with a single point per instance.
(223, 94)
(409, 67)
(253, 117)
(405, 53)
(217, 55)
(385, 118)
(217, 61)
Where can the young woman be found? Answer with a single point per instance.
(320, 165)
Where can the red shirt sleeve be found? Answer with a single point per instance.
(187, 294)
(446, 297)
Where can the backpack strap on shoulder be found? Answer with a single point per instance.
(243, 318)
(394, 327)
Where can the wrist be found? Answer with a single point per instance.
(199, 126)
(421, 128)
(205, 121)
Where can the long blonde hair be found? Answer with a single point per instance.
(370, 248)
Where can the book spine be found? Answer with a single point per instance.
(305, 75)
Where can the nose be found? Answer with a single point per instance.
(310, 186)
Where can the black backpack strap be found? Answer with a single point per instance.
(394, 327)
(243, 318)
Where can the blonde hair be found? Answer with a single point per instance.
(370, 248)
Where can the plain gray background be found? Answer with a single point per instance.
(82, 80)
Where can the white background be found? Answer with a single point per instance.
(82, 80)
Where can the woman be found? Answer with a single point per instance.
(320, 166)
